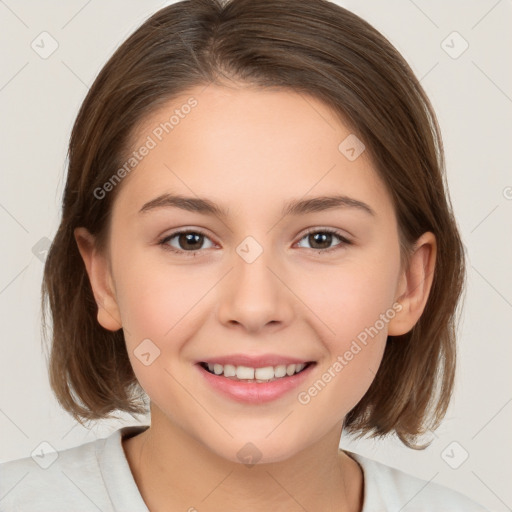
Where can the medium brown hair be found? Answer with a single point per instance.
(313, 47)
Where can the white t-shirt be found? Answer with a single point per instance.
(96, 476)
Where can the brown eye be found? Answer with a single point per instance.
(191, 241)
(322, 240)
(184, 241)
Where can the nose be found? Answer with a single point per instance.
(256, 296)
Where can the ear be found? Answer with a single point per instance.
(414, 285)
(100, 277)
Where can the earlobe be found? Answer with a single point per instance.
(415, 284)
(98, 271)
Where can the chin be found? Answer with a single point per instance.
(257, 450)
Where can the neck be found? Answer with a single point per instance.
(175, 471)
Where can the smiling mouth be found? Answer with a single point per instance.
(249, 374)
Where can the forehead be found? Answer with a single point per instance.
(247, 147)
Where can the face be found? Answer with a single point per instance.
(250, 284)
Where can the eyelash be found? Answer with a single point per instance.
(165, 246)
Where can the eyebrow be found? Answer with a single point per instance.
(294, 207)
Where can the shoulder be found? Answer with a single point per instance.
(389, 489)
(54, 481)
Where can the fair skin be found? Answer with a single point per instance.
(251, 151)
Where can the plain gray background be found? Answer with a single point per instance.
(471, 90)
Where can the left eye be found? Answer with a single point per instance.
(323, 237)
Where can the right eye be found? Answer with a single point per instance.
(188, 241)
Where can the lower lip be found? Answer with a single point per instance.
(255, 392)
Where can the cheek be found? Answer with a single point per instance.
(157, 300)
(160, 308)
(352, 297)
(158, 314)
(354, 305)
(355, 352)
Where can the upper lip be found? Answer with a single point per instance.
(254, 361)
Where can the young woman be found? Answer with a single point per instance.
(256, 236)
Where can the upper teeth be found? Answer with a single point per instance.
(247, 373)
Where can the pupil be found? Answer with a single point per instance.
(326, 238)
(189, 238)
